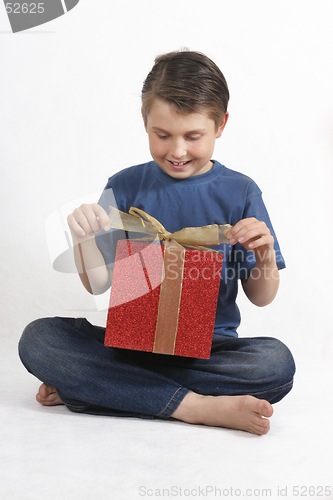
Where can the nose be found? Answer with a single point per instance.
(178, 149)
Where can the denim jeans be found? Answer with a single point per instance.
(69, 354)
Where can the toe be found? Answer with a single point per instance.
(44, 390)
(269, 410)
(261, 429)
(265, 409)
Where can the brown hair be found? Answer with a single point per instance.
(189, 81)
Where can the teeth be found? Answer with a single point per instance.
(181, 163)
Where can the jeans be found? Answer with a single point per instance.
(69, 354)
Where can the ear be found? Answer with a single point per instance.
(222, 125)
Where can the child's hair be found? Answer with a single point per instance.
(189, 81)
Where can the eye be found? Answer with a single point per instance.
(161, 136)
(194, 138)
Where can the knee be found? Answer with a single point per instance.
(33, 342)
(279, 362)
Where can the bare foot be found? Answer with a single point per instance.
(245, 413)
(48, 396)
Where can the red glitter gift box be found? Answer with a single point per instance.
(162, 301)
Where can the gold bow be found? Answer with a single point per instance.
(193, 237)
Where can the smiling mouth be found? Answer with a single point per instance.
(179, 163)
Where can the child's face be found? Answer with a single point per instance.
(182, 145)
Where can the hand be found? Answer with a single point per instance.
(87, 220)
(253, 235)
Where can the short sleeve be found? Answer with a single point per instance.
(244, 260)
(106, 241)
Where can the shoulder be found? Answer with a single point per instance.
(123, 187)
(130, 175)
(239, 183)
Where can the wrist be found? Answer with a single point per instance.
(266, 258)
(77, 238)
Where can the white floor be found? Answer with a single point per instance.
(52, 454)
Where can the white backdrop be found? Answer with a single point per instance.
(70, 118)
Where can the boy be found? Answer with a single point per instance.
(184, 108)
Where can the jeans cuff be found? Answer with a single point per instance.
(173, 403)
(77, 409)
(274, 395)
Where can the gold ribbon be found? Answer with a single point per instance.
(193, 237)
(199, 238)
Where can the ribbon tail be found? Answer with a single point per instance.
(223, 233)
(127, 222)
(170, 296)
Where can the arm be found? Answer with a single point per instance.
(262, 285)
(84, 222)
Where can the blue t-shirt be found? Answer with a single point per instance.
(219, 196)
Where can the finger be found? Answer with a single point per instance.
(260, 242)
(241, 226)
(75, 226)
(86, 214)
(82, 221)
(249, 231)
(85, 219)
(101, 216)
(252, 233)
(256, 243)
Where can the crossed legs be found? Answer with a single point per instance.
(234, 388)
